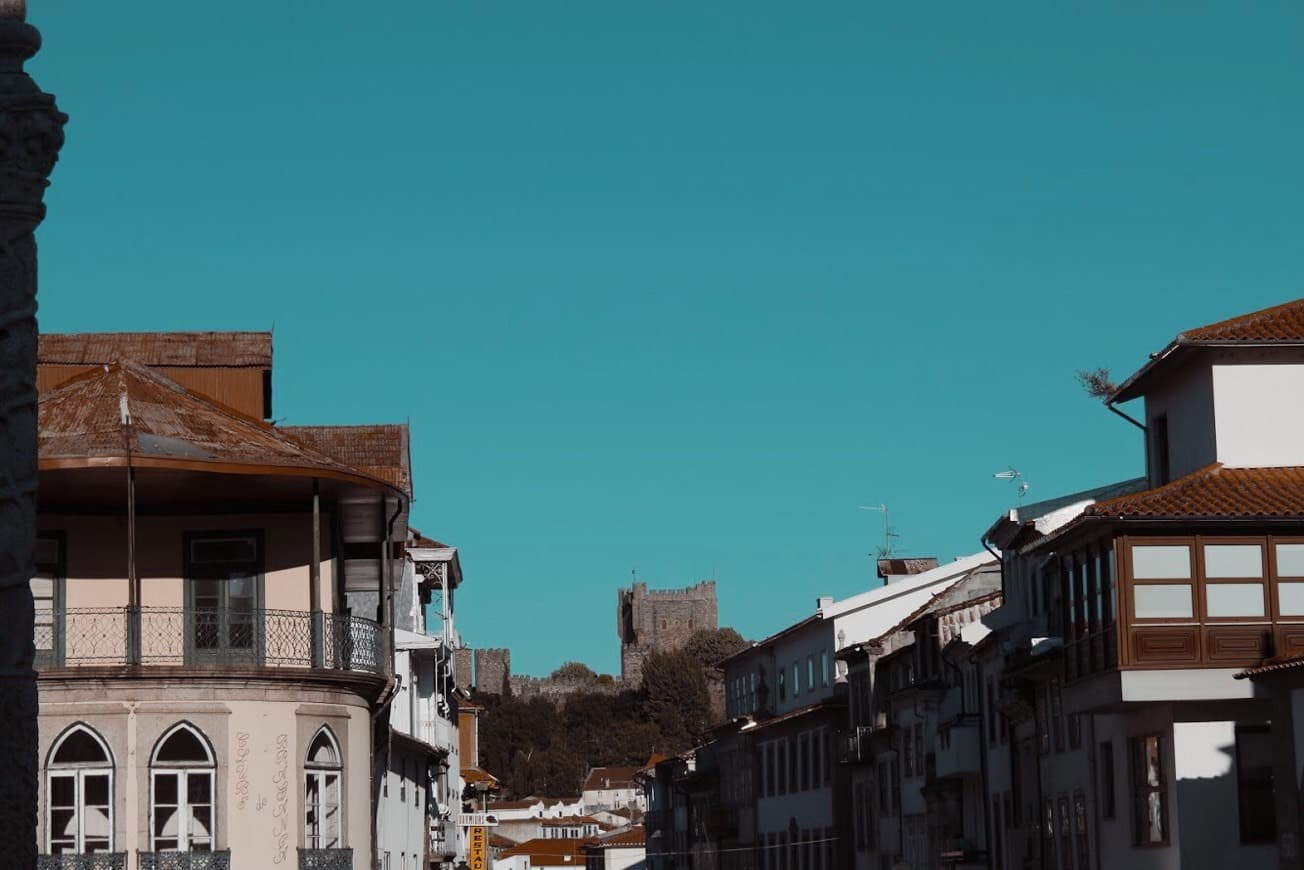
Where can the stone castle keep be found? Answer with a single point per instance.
(646, 620)
(660, 619)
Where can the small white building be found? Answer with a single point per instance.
(612, 788)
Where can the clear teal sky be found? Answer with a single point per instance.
(676, 286)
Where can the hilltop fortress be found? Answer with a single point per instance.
(647, 620)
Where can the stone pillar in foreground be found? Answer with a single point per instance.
(31, 133)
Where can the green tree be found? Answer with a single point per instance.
(711, 646)
(574, 671)
(676, 698)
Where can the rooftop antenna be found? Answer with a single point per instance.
(1013, 474)
(888, 534)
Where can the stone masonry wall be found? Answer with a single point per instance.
(492, 668)
(660, 619)
(462, 665)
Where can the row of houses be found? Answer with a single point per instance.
(244, 649)
(1113, 681)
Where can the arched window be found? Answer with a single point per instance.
(79, 794)
(321, 802)
(181, 792)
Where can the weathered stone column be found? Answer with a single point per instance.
(31, 133)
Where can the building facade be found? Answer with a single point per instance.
(210, 641)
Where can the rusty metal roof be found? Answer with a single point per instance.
(380, 450)
(128, 413)
(220, 349)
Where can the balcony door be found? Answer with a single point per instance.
(224, 599)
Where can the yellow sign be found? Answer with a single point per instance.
(479, 847)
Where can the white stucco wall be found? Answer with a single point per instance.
(626, 858)
(1260, 414)
(1205, 756)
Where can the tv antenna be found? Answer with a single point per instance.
(1013, 475)
(888, 534)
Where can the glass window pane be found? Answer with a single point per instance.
(1169, 601)
(165, 788)
(199, 788)
(79, 747)
(1290, 560)
(63, 823)
(1233, 560)
(96, 787)
(1161, 562)
(165, 822)
(183, 745)
(1290, 598)
(1234, 599)
(62, 789)
(96, 822)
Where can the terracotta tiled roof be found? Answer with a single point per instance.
(610, 777)
(498, 841)
(1214, 492)
(225, 349)
(1283, 322)
(128, 411)
(1280, 324)
(635, 836)
(542, 848)
(379, 450)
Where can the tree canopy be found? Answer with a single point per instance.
(536, 746)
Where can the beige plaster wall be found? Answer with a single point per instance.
(259, 732)
(96, 560)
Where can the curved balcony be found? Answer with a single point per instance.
(166, 636)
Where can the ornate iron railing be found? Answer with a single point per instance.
(185, 860)
(325, 859)
(206, 637)
(96, 861)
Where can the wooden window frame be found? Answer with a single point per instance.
(1141, 790)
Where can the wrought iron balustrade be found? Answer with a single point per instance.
(94, 861)
(199, 637)
(325, 859)
(185, 860)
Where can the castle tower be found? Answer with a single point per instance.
(660, 619)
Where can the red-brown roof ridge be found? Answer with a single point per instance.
(379, 449)
(215, 349)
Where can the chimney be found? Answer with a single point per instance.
(895, 570)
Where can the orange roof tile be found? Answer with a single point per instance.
(218, 349)
(1214, 492)
(1284, 322)
(635, 836)
(550, 847)
(127, 412)
(380, 450)
(1280, 324)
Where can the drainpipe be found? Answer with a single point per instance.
(1134, 422)
(387, 612)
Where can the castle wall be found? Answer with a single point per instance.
(492, 668)
(660, 619)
